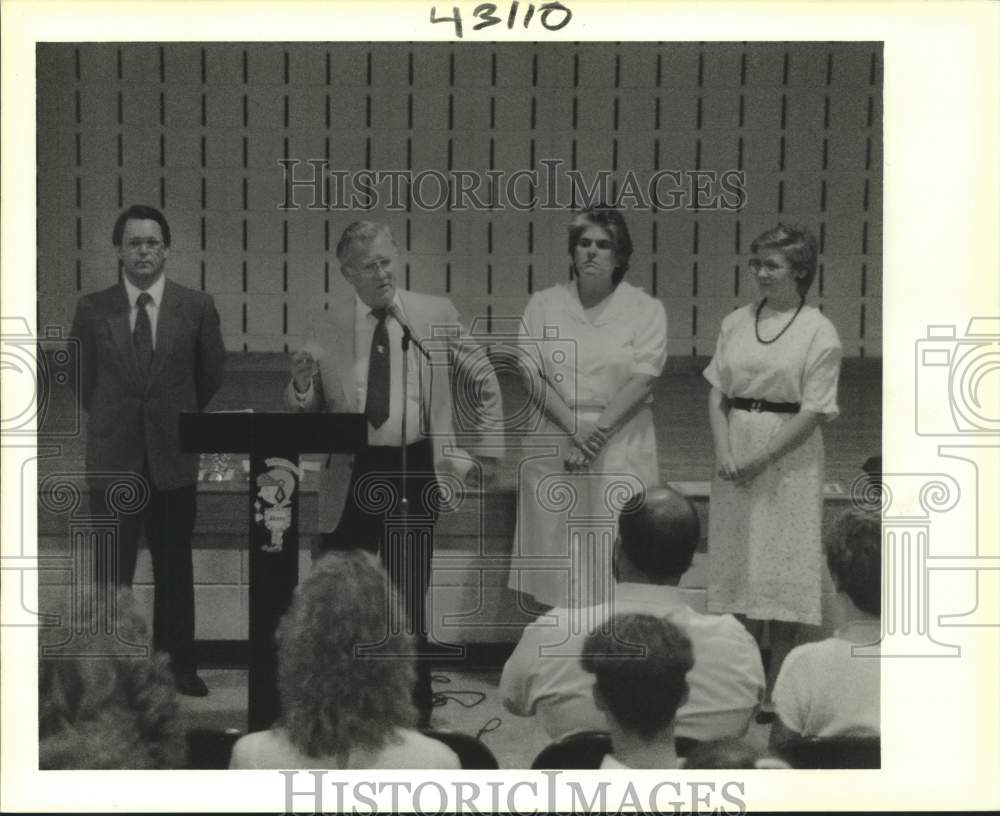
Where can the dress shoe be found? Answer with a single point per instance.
(189, 683)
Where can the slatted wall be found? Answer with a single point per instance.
(198, 129)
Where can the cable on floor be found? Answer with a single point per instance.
(492, 724)
(441, 698)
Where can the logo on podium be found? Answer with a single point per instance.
(273, 506)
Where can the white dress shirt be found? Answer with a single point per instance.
(408, 749)
(390, 433)
(152, 308)
(364, 329)
(543, 676)
(824, 690)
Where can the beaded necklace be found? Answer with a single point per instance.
(756, 322)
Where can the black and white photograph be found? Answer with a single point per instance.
(498, 394)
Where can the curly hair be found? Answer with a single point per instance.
(639, 665)
(101, 706)
(613, 222)
(336, 694)
(853, 550)
(797, 245)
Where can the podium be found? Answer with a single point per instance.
(274, 442)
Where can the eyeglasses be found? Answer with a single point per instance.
(370, 270)
(138, 244)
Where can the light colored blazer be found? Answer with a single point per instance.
(459, 371)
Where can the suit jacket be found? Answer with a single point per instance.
(460, 370)
(131, 418)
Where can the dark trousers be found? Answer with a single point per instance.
(168, 521)
(373, 519)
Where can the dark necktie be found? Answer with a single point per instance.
(377, 401)
(142, 335)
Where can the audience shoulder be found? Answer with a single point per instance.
(243, 752)
(736, 630)
(417, 750)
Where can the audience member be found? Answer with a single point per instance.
(730, 755)
(105, 702)
(639, 665)
(824, 689)
(344, 678)
(658, 533)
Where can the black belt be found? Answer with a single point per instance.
(744, 404)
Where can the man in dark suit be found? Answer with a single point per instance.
(352, 362)
(149, 349)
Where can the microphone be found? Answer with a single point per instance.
(394, 312)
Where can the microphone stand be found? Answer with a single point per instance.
(404, 505)
(405, 501)
(407, 339)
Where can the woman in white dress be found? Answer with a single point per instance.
(593, 350)
(774, 383)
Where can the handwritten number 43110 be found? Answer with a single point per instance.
(552, 16)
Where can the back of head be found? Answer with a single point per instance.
(639, 665)
(659, 531)
(345, 677)
(853, 550)
(104, 700)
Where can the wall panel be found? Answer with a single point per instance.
(198, 128)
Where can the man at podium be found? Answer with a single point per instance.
(353, 361)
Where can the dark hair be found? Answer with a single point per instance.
(336, 697)
(102, 704)
(854, 555)
(797, 245)
(140, 212)
(639, 665)
(610, 219)
(660, 532)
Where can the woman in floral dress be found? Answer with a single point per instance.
(774, 383)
